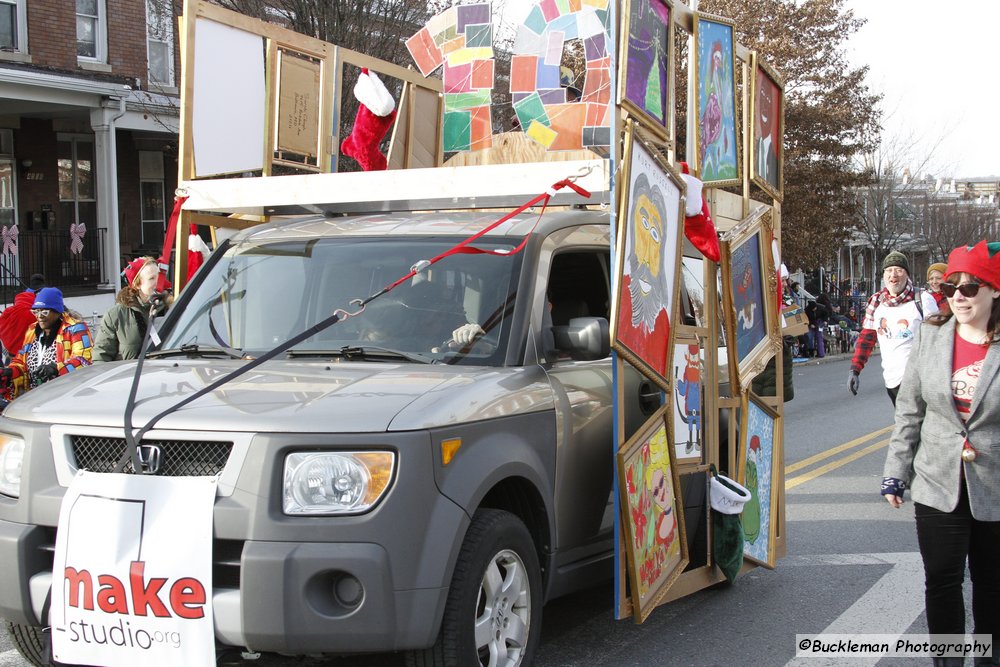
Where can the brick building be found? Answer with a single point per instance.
(88, 136)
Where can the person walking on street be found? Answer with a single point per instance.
(892, 317)
(945, 449)
(57, 344)
(124, 326)
(935, 276)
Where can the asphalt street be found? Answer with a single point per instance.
(852, 564)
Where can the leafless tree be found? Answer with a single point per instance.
(889, 206)
(954, 222)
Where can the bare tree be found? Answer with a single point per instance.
(889, 206)
(949, 224)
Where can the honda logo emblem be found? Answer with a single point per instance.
(150, 457)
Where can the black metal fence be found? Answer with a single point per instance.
(49, 253)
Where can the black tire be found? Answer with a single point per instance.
(498, 544)
(31, 642)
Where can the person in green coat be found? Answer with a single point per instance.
(124, 326)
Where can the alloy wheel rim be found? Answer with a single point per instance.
(503, 611)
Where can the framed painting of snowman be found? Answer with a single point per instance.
(759, 459)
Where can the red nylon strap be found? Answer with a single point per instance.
(168, 238)
(462, 246)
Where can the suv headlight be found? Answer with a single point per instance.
(11, 458)
(336, 482)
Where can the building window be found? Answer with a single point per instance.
(160, 41)
(13, 29)
(151, 188)
(77, 198)
(91, 30)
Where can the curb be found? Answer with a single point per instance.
(830, 358)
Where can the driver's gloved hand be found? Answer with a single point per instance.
(466, 333)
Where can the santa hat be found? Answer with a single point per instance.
(698, 226)
(981, 260)
(198, 251)
(376, 114)
(133, 268)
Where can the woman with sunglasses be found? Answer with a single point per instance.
(946, 446)
(54, 345)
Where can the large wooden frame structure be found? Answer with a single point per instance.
(490, 178)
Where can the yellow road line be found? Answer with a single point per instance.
(833, 465)
(799, 465)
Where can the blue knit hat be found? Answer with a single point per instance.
(49, 297)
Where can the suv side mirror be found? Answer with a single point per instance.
(584, 338)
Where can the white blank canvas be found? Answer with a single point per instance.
(229, 106)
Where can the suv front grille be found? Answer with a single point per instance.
(178, 458)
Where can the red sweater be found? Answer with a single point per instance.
(15, 320)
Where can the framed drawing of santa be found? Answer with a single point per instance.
(650, 237)
(767, 108)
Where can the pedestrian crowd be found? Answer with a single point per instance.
(41, 339)
(940, 356)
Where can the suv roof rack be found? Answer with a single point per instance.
(436, 188)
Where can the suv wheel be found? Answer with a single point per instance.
(494, 610)
(32, 643)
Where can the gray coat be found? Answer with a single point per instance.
(926, 446)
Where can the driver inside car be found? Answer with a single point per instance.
(424, 316)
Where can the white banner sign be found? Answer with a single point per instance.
(132, 575)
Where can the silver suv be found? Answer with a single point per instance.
(386, 484)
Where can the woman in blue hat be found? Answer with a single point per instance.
(56, 344)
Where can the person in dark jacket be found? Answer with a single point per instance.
(123, 327)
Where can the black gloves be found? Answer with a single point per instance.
(158, 303)
(854, 382)
(46, 372)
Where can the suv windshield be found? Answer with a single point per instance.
(260, 294)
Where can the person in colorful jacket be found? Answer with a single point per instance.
(123, 327)
(55, 345)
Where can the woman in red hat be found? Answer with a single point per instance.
(123, 327)
(946, 445)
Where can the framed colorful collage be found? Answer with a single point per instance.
(652, 513)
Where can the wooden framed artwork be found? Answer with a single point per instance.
(653, 516)
(693, 291)
(717, 151)
(724, 343)
(689, 398)
(650, 237)
(767, 109)
(646, 69)
(760, 457)
(748, 287)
